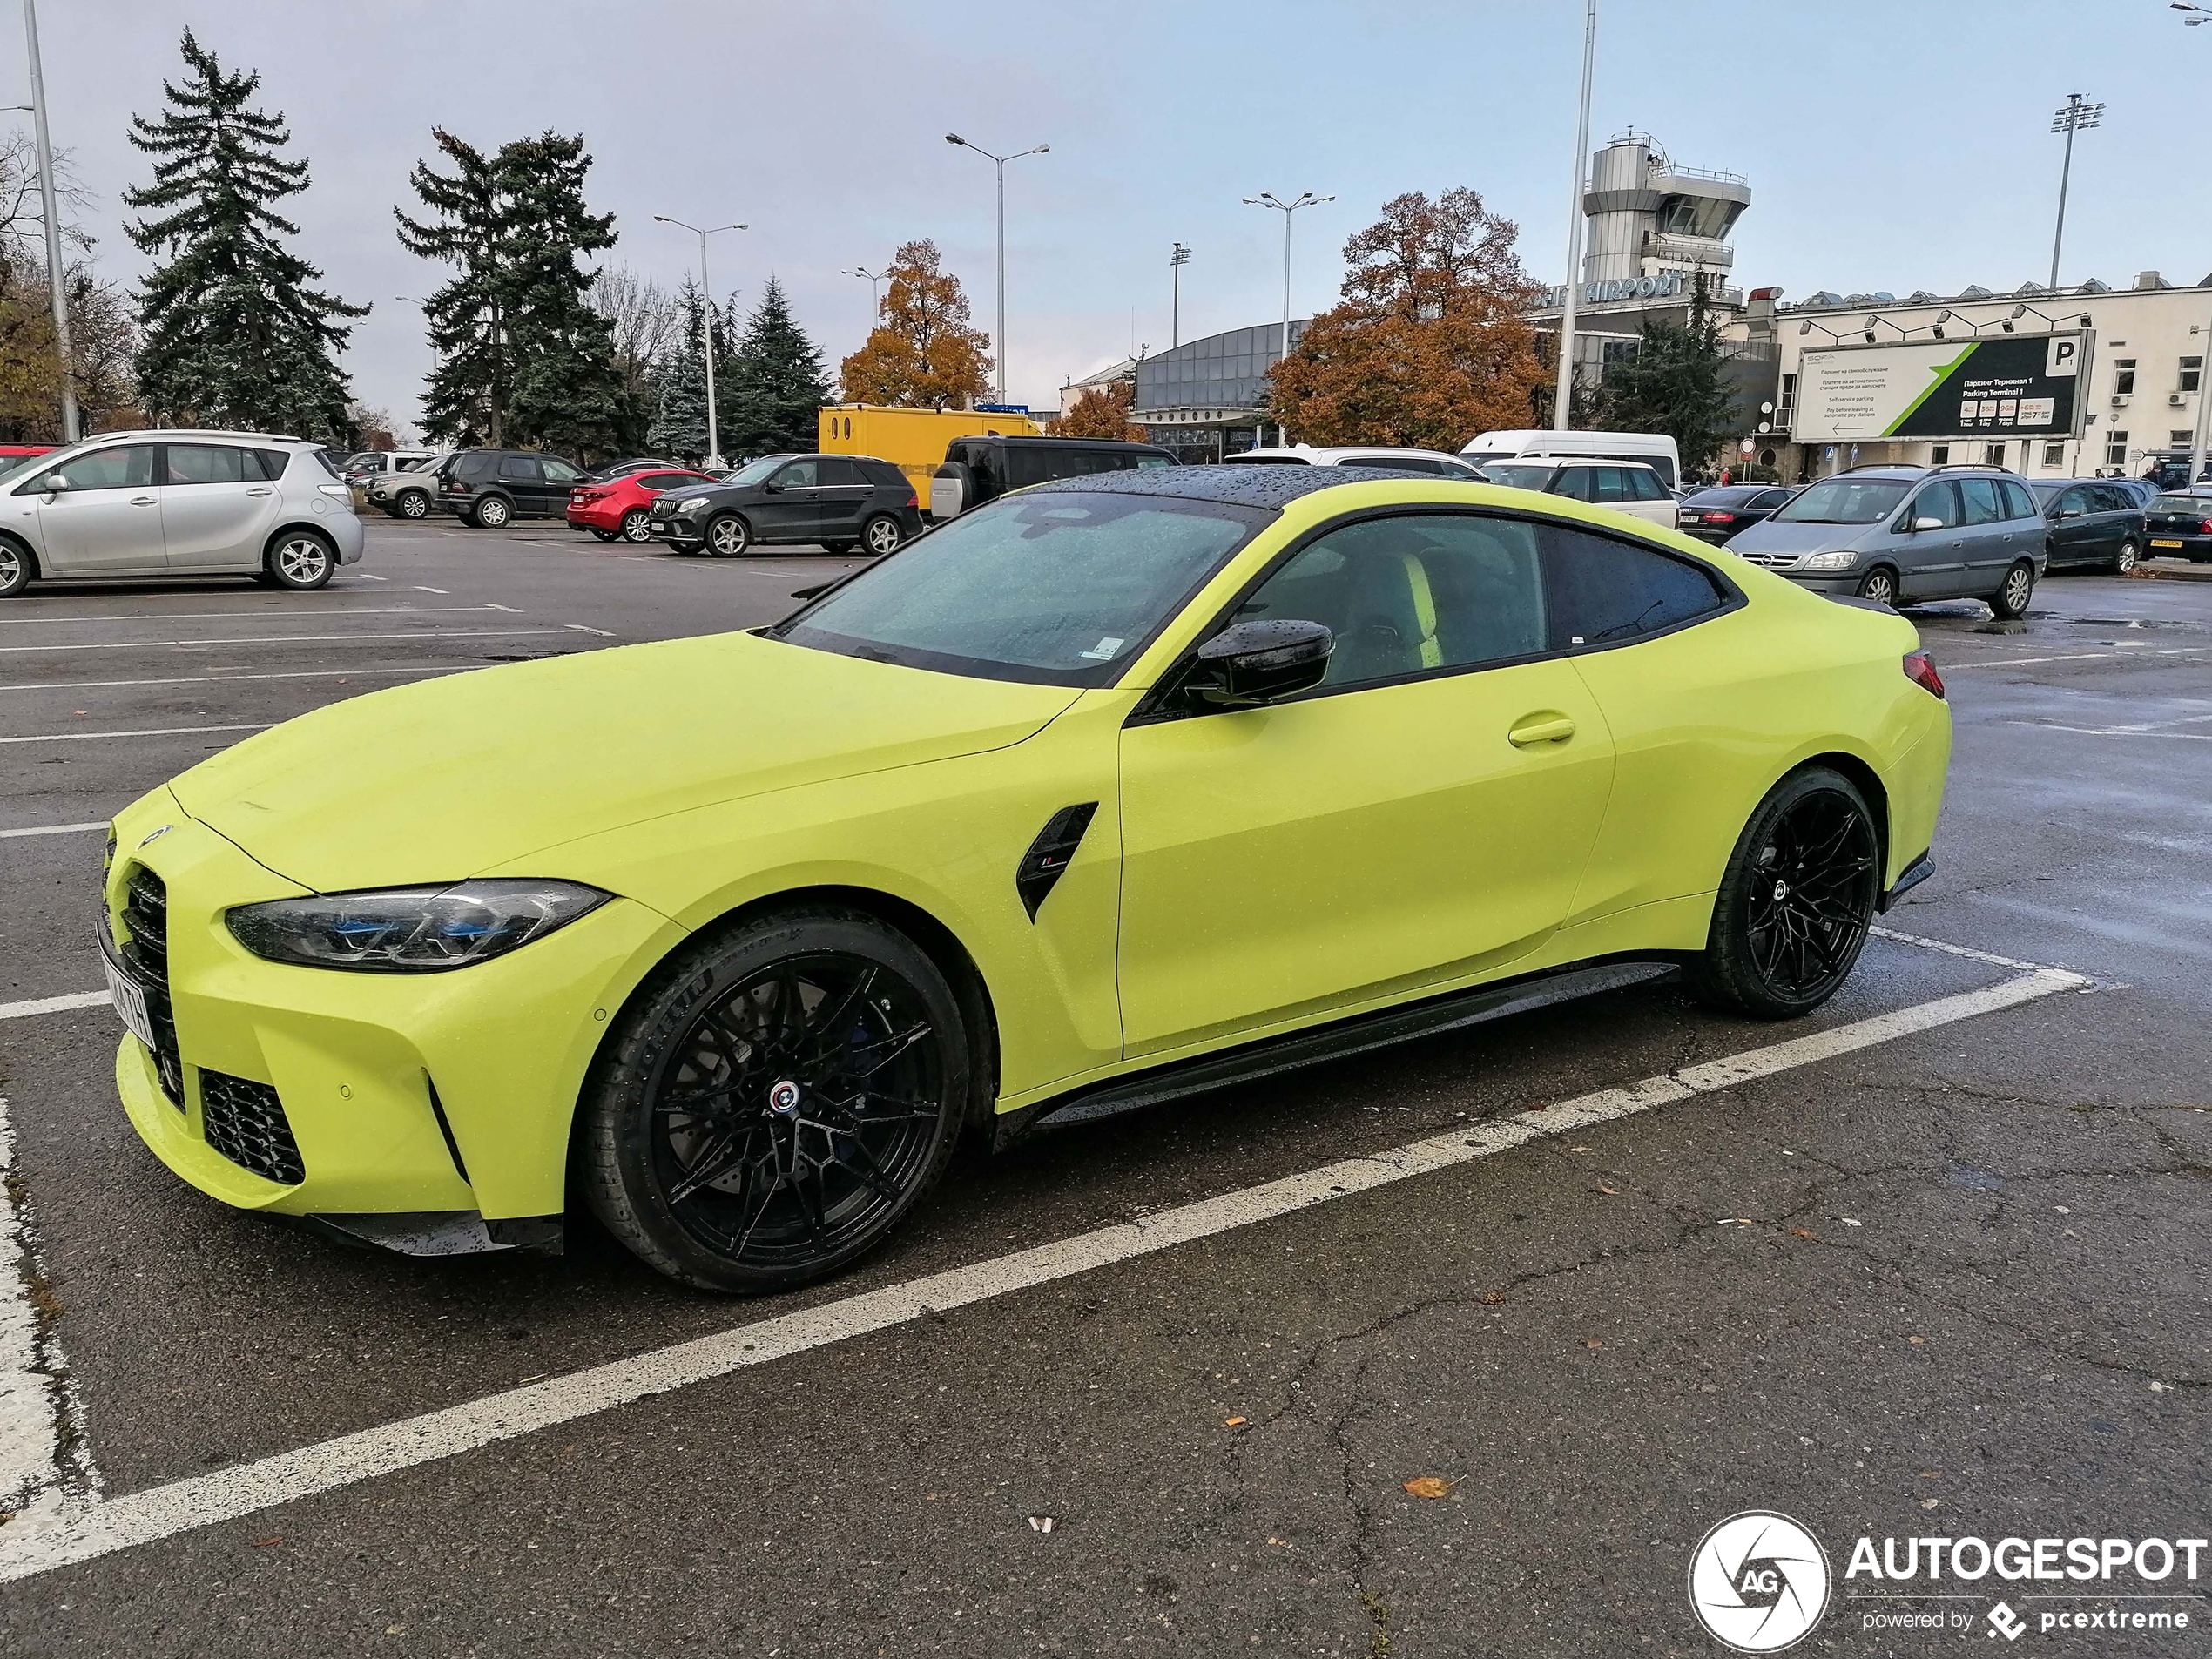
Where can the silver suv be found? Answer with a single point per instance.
(1900, 534)
(173, 503)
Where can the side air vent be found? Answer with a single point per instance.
(1047, 859)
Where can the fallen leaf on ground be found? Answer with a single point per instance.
(1428, 1486)
(1610, 1192)
(1234, 1422)
(1592, 1342)
(1917, 1342)
(263, 1543)
(1802, 1232)
(1930, 1503)
(1491, 1298)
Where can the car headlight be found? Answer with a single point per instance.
(410, 930)
(1842, 559)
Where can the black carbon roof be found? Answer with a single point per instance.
(1276, 486)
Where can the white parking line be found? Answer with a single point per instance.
(227, 616)
(52, 1004)
(294, 639)
(2077, 657)
(220, 678)
(64, 1536)
(50, 829)
(39, 1473)
(143, 732)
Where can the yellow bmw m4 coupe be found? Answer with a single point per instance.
(1119, 788)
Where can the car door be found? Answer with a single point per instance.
(559, 478)
(2073, 527)
(2121, 518)
(108, 522)
(843, 492)
(216, 506)
(1930, 563)
(789, 508)
(1989, 539)
(1421, 816)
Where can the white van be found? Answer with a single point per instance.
(1654, 449)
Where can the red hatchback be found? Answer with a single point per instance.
(616, 510)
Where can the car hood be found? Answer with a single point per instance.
(685, 492)
(1768, 536)
(442, 781)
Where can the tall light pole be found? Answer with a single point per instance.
(1268, 198)
(1563, 395)
(56, 278)
(1000, 161)
(2200, 14)
(714, 462)
(2072, 116)
(1176, 260)
(874, 279)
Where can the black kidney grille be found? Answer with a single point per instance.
(145, 918)
(245, 1123)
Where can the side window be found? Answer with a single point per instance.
(274, 462)
(800, 474)
(2111, 498)
(1603, 591)
(2075, 500)
(209, 463)
(1413, 594)
(2018, 503)
(1644, 485)
(1768, 500)
(128, 467)
(1576, 483)
(1939, 501)
(559, 470)
(1980, 498)
(841, 473)
(519, 468)
(1608, 485)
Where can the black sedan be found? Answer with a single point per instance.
(1714, 515)
(2179, 525)
(837, 502)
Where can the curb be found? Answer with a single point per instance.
(2171, 570)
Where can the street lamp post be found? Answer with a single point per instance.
(1176, 260)
(1562, 396)
(2072, 116)
(1000, 161)
(714, 462)
(874, 279)
(1268, 198)
(56, 281)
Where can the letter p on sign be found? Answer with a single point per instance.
(2065, 357)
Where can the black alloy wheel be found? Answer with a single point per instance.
(1796, 901)
(882, 534)
(776, 1101)
(2012, 595)
(636, 526)
(1878, 584)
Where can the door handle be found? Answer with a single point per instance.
(258, 490)
(146, 501)
(1547, 727)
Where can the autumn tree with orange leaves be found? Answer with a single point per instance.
(1102, 412)
(1432, 342)
(921, 354)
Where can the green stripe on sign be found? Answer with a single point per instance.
(1942, 373)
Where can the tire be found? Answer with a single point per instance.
(412, 503)
(692, 548)
(1879, 585)
(607, 536)
(728, 1135)
(17, 567)
(882, 534)
(728, 537)
(301, 561)
(1795, 900)
(493, 513)
(836, 550)
(634, 526)
(2010, 601)
(2123, 563)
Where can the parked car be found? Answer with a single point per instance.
(1429, 463)
(1718, 512)
(1655, 449)
(619, 507)
(1120, 789)
(2179, 525)
(610, 470)
(1625, 486)
(1900, 534)
(835, 502)
(978, 469)
(364, 464)
(2094, 523)
(2142, 489)
(173, 502)
(491, 487)
(407, 492)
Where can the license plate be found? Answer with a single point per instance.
(130, 1002)
(656, 526)
(2156, 542)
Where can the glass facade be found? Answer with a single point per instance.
(1203, 398)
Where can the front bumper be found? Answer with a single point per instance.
(401, 1093)
(682, 531)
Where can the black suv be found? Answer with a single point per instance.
(981, 469)
(834, 501)
(491, 487)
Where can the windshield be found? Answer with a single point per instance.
(22, 466)
(1522, 478)
(1060, 588)
(754, 471)
(1842, 501)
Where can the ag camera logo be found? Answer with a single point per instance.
(1758, 1581)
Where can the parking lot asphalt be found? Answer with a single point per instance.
(1936, 1266)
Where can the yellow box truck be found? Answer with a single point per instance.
(911, 440)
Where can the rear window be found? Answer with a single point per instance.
(2188, 506)
(328, 465)
(1520, 478)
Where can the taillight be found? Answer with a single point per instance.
(2205, 529)
(912, 499)
(1720, 518)
(458, 486)
(1920, 669)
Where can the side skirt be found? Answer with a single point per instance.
(1452, 1012)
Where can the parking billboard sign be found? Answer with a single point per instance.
(2027, 385)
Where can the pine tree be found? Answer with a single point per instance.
(780, 387)
(234, 333)
(678, 428)
(470, 391)
(1674, 384)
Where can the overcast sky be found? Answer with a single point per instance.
(1889, 145)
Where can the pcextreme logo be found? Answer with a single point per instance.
(1758, 1581)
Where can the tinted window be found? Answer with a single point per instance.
(660, 481)
(1603, 591)
(2110, 498)
(1982, 505)
(1939, 501)
(1395, 463)
(210, 463)
(1609, 484)
(1058, 589)
(2017, 504)
(800, 474)
(129, 468)
(519, 468)
(274, 462)
(1404, 595)
(1844, 500)
(1642, 485)
(1770, 499)
(839, 473)
(1536, 476)
(1576, 483)
(2075, 500)
(474, 466)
